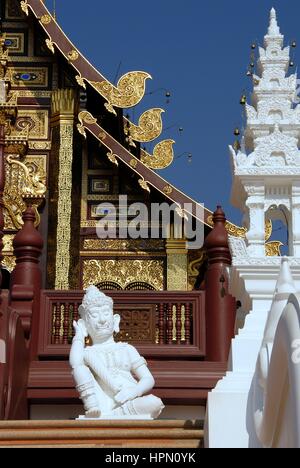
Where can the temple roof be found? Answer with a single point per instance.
(87, 74)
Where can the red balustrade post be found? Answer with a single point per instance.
(220, 306)
(26, 277)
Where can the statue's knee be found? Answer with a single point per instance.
(155, 405)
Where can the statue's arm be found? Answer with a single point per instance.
(77, 349)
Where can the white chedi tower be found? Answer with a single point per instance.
(266, 185)
(266, 171)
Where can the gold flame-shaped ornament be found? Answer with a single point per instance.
(129, 91)
(163, 155)
(149, 127)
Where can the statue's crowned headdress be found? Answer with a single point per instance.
(94, 298)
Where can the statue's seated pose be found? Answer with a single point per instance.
(110, 377)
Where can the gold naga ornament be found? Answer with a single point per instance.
(149, 127)
(23, 180)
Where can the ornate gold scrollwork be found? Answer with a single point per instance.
(113, 158)
(232, 229)
(50, 45)
(28, 181)
(163, 155)
(80, 81)
(148, 128)
(25, 7)
(85, 117)
(144, 185)
(273, 247)
(129, 91)
(124, 272)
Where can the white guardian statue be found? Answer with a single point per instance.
(111, 378)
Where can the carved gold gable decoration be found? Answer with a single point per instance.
(148, 128)
(129, 91)
(163, 155)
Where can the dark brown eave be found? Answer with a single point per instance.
(144, 173)
(87, 71)
(62, 43)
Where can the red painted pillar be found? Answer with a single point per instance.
(220, 307)
(26, 277)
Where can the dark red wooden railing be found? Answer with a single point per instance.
(159, 323)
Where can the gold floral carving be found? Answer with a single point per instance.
(133, 163)
(8, 243)
(124, 272)
(135, 245)
(22, 178)
(273, 247)
(168, 190)
(177, 271)
(148, 128)
(35, 122)
(73, 55)
(40, 145)
(163, 155)
(46, 19)
(63, 101)
(9, 262)
(129, 91)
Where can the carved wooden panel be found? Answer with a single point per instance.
(137, 323)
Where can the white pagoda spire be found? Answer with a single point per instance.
(273, 27)
(271, 150)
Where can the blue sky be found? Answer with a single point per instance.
(199, 52)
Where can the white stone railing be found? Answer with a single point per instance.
(277, 383)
